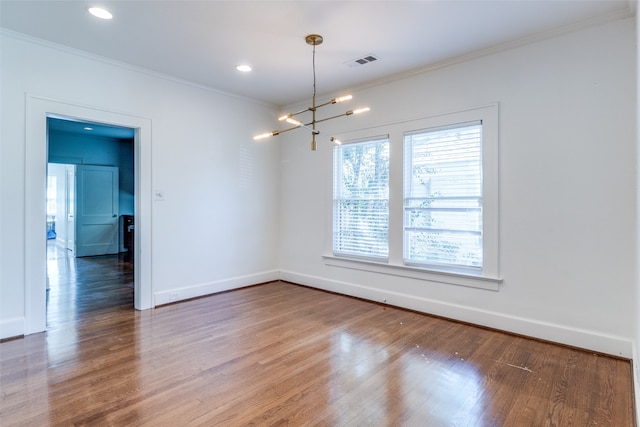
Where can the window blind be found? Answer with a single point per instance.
(443, 196)
(361, 198)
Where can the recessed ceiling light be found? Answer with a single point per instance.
(243, 68)
(101, 13)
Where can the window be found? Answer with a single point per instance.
(443, 196)
(51, 195)
(361, 198)
(421, 202)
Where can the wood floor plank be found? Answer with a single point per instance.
(282, 354)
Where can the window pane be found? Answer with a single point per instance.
(443, 248)
(51, 195)
(361, 198)
(443, 196)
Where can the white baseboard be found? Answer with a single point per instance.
(635, 366)
(581, 338)
(13, 327)
(589, 340)
(179, 294)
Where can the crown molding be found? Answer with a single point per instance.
(629, 12)
(134, 68)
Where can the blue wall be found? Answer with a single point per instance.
(69, 148)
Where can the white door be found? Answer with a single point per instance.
(70, 207)
(96, 210)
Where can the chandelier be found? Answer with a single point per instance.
(313, 40)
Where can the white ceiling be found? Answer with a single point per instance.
(203, 41)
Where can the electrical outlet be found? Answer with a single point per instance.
(174, 297)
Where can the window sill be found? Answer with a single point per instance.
(452, 278)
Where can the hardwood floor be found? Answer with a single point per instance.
(80, 288)
(282, 354)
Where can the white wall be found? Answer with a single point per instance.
(636, 341)
(567, 194)
(218, 225)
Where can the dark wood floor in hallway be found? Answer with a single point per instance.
(282, 354)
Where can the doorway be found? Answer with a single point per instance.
(61, 206)
(38, 110)
(87, 200)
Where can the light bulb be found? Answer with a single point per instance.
(336, 141)
(342, 99)
(98, 12)
(294, 121)
(361, 110)
(262, 136)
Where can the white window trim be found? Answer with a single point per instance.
(440, 276)
(486, 278)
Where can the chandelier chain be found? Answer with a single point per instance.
(313, 63)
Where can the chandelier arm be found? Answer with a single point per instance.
(289, 115)
(325, 104)
(333, 101)
(288, 129)
(296, 113)
(333, 117)
(310, 129)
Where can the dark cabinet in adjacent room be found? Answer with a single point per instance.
(128, 230)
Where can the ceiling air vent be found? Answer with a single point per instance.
(367, 59)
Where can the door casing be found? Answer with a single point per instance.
(38, 109)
